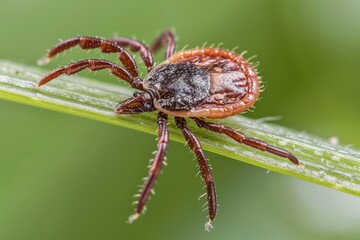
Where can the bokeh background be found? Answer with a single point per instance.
(65, 177)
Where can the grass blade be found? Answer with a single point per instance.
(336, 167)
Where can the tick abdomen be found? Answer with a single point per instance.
(223, 84)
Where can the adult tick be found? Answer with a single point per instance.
(197, 83)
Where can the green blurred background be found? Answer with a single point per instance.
(65, 177)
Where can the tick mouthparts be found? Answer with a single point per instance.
(140, 103)
(131, 105)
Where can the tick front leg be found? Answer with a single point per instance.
(241, 138)
(94, 65)
(91, 43)
(167, 38)
(156, 165)
(205, 170)
(136, 46)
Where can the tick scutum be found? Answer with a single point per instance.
(180, 86)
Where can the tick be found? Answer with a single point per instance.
(197, 83)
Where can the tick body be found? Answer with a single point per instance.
(205, 83)
(197, 83)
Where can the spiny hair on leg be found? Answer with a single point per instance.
(202, 195)
(205, 206)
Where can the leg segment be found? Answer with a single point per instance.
(205, 170)
(136, 46)
(241, 138)
(167, 39)
(156, 165)
(94, 65)
(90, 43)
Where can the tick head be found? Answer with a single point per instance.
(139, 103)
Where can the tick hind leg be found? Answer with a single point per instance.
(91, 43)
(204, 166)
(167, 38)
(94, 65)
(156, 165)
(241, 138)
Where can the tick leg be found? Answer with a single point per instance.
(94, 65)
(241, 138)
(205, 170)
(156, 165)
(91, 43)
(167, 38)
(136, 46)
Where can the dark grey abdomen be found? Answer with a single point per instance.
(180, 86)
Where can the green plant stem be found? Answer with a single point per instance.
(333, 166)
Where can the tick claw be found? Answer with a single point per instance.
(133, 217)
(43, 61)
(208, 226)
(302, 168)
